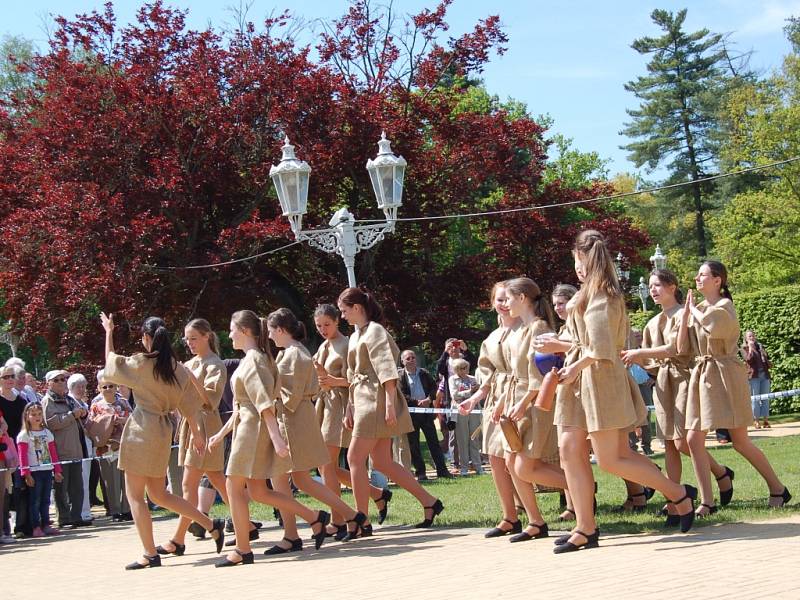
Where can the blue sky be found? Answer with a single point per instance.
(567, 58)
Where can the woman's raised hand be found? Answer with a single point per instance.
(108, 321)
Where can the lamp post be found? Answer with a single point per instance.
(618, 266)
(659, 259)
(386, 172)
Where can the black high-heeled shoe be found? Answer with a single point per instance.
(152, 562)
(296, 546)
(247, 559)
(338, 535)
(219, 527)
(524, 536)
(437, 509)
(179, 549)
(711, 510)
(350, 534)
(592, 541)
(323, 518)
(785, 495)
(725, 497)
(252, 536)
(672, 520)
(386, 496)
(687, 519)
(633, 507)
(563, 539)
(516, 527)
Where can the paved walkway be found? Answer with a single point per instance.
(747, 560)
(744, 560)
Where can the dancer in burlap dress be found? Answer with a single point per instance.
(376, 410)
(161, 385)
(719, 393)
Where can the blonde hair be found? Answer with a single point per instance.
(459, 363)
(600, 275)
(26, 412)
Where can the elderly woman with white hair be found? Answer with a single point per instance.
(107, 416)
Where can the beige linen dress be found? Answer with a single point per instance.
(539, 436)
(147, 436)
(212, 375)
(609, 395)
(671, 391)
(372, 361)
(719, 393)
(494, 371)
(331, 403)
(569, 410)
(298, 420)
(255, 385)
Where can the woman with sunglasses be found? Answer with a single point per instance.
(161, 384)
(113, 408)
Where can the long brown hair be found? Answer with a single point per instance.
(247, 319)
(284, 318)
(352, 296)
(667, 277)
(161, 349)
(204, 327)
(600, 274)
(524, 286)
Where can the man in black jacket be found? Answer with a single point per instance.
(419, 388)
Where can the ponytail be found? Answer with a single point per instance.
(161, 349)
(250, 321)
(600, 273)
(284, 318)
(718, 270)
(263, 337)
(524, 286)
(204, 327)
(352, 296)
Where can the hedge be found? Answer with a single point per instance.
(774, 315)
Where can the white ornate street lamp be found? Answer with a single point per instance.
(386, 172)
(621, 273)
(659, 259)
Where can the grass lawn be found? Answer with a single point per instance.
(471, 501)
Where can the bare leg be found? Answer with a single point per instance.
(699, 454)
(281, 484)
(526, 495)
(306, 483)
(240, 513)
(331, 479)
(534, 470)
(191, 479)
(505, 490)
(615, 456)
(745, 447)
(357, 455)
(135, 489)
(574, 449)
(382, 460)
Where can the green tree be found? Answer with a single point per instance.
(15, 52)
(758, 231)
(677, 118)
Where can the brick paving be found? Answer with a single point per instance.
(743, 560)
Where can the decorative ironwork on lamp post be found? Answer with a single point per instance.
(659, 259)
(343, 237)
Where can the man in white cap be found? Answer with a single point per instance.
(63, 417)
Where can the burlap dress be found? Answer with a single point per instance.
(256, 386)
(212, 375)
(609, 395)
(671, 391)
(372, 361)
(719, 393)
(147, 436)
(539, 436)
(298, 420)
(569, 410)
(331, 403)
(493, 371)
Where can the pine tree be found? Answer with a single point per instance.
(677, 118)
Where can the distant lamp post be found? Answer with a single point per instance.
(622, 274)
(386, 172)
(643, 292)
(659, 259)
